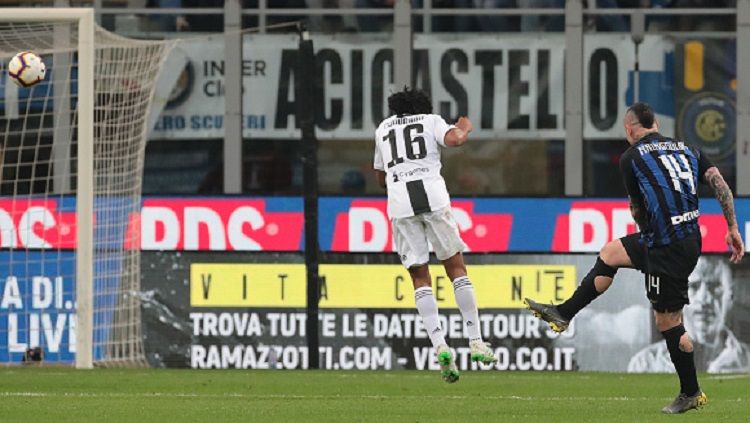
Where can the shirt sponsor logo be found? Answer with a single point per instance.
(685, 217)
(418, 172)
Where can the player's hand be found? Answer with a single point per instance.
(734, 240)
(464, 124)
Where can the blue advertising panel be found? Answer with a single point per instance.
(37, 304)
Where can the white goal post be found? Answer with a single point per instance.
(114, 89)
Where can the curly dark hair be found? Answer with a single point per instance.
(410, 102)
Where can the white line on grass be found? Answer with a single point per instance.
(729, 377)
(318, 397)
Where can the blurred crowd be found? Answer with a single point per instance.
(459, 23)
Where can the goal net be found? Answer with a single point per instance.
(70, 190)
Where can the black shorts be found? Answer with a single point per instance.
(666, 269)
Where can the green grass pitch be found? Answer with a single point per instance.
(178, 396)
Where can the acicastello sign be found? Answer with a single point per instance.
(511, 86)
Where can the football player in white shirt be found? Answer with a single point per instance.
(407, 163)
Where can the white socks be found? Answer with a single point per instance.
(428, 309)
(467, 303)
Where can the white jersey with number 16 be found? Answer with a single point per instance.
(407, 148)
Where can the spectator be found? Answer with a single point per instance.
(486, 23)
(251, 21)
(203, 23)
(383, 23)
(685, 22)
(168, 23)
(332, 23)
(703, 22)
(542, 22)
(612, 23)
(369, 23)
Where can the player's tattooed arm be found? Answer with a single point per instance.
(638, 212)
(726, 200)
(723, 195)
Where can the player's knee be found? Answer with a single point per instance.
(661, 323)
(601, 268)
(420, 275)
(686, 344)
(666, 321)
(610, 252)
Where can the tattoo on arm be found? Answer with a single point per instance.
(639, 215)
(723, 194)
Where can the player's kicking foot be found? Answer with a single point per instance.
(447, 365)
(684, 403)
(481, 352)
(549, 314)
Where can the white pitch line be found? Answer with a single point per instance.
(729, 377)
(317, 397)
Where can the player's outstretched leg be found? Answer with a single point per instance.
(559, 316)
(594, 284)
(467, 303)
(681, 352)
(549, 313)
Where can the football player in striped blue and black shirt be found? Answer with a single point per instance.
(661, 176)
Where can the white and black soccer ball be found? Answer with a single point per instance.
(26, 69)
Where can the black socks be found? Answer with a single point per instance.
(586, 291)
(683, 361)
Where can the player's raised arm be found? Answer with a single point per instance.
(460, 134)
(726, 200)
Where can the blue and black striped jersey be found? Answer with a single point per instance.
(662, 175)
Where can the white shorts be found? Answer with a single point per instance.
(413, 235)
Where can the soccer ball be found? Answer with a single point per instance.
(26, 69)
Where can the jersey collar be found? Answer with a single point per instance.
(648, 138)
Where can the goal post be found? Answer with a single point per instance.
(85, 193)
(84, 18)
(110, 85)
